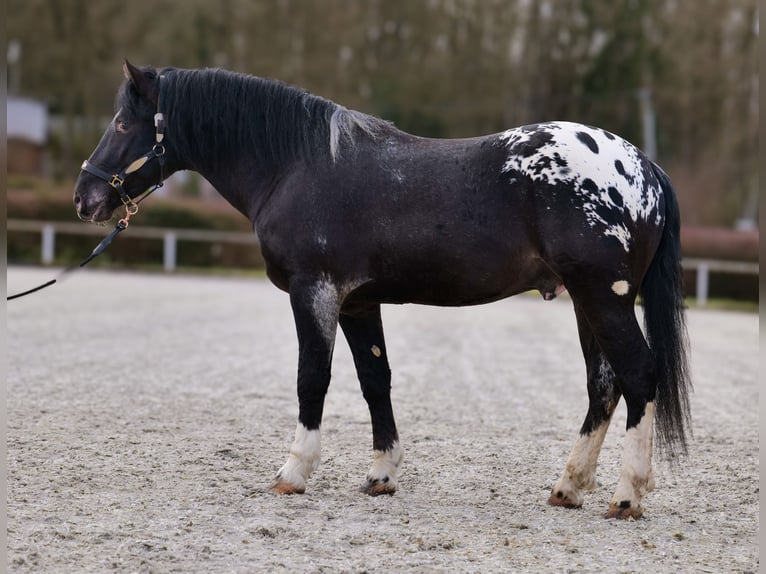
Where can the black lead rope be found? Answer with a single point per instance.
(28, 291)
(122, 225)
(96, 252)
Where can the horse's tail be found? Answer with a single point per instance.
(663, 301)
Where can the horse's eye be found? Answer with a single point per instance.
(122, 126)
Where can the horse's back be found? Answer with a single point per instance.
(556, 186)
(454, 222)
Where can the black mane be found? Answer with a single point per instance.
(215, 114)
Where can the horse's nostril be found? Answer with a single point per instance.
(79, 205)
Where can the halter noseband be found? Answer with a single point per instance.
(115, 180)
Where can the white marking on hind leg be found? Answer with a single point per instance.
(637, 476)
(621, 287)
(580, 472)
(302, 461)
(382, 478)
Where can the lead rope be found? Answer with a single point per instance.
(122, 225)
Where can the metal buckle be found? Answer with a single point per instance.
(116, 181)
(131, 207)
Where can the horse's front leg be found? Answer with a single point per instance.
(315, 308)
(364, 333)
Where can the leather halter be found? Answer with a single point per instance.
(116, 180)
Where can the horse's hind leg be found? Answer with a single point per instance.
(603, 394)
(612, 319)
(315, 308)
(364, 333)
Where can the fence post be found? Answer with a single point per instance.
(49, 244)
(703, 276)
(169, 251)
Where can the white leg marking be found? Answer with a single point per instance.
(637, 477)
(580, 472)
(325, 302)
(383, 474)
(303, 459)
(621, 287)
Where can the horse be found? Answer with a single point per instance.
(352, 213)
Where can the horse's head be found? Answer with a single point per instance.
(129, 157)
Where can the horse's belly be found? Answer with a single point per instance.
(452, 285)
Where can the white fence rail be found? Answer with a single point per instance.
(170, 238)
(705, 267)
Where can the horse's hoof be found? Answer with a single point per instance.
(561, 499)
(286, 488)
(377, 487)
(623, 511)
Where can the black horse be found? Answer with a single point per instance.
(352, 213)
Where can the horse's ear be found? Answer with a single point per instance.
(145, 82)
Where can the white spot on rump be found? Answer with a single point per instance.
(619, 232)
(567, 159)
(621, 287)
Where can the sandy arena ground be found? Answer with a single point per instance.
(148, 414)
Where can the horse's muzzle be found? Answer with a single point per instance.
(89, 207)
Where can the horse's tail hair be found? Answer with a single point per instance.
(662, 295)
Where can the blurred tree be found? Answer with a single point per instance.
(447, 68)
(707, 95)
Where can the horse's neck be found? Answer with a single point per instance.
(246, 171)
(241, 179)
(238, 184)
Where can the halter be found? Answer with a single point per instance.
(116, 180)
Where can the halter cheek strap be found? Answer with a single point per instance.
(116, 180)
